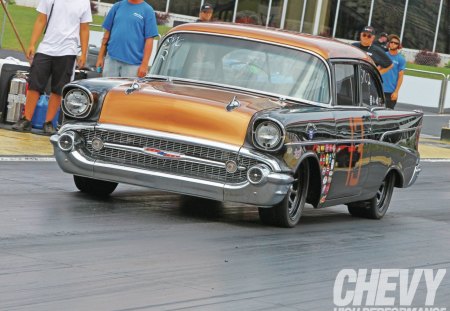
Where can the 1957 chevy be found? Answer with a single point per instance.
(245, 114)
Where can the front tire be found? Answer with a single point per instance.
(376, 207)
(94, 186)
(287, 213)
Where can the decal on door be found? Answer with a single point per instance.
(327, 157)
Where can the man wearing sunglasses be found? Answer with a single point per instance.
(393, 79)
(382, 61)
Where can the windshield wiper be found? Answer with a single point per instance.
(157, 77)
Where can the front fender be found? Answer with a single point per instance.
(98, 89)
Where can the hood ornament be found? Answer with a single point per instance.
(233, 104)
(134, 87)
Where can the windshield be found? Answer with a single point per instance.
(245, 64)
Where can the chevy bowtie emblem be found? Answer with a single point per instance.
(311, 130)
(162, 153)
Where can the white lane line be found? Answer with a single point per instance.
(27, 159)
(429, 136)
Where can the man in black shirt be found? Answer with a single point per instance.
(381, 60)
(382, 41)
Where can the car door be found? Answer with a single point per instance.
(372, 97)
(353, 128)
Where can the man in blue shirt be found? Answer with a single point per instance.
(130, 27)
(393, 79)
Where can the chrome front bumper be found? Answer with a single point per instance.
(415, 174)
(267, 193)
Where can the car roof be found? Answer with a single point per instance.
(326, 47)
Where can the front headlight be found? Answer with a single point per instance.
(268, 135)
(77, 103)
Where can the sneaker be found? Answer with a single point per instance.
(48, 128)
(23, 125)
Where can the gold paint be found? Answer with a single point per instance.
(182, 109)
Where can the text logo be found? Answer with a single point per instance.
(381, 289)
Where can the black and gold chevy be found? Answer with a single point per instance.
(244, 114)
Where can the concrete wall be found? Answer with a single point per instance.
(30, 3)
(422, 92)
(103, 9)
(411, 54)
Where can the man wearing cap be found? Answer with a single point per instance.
(206, 13)
(381, 60)
(393, 79)
(382, 41)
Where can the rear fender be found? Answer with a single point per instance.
(399, 178)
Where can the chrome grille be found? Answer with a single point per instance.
(145, 161)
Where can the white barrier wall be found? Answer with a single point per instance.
(30, 3)
(422, 92)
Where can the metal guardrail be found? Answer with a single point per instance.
(443, 92)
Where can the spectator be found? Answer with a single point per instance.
(393, 79)
(367, 36)
(382, 41)
(130, 27)
(65, 27)
(206, 13)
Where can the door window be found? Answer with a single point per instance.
(371, 94)
(345, 84)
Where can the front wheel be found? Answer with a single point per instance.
(287, 213)
(376, 207)
(94, 186)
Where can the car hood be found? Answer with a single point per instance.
(184, 109)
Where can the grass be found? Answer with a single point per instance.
(443, 70)
(24, 17)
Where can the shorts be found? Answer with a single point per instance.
(116, 68)
(60, 68)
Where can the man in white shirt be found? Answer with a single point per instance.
(66, 26)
